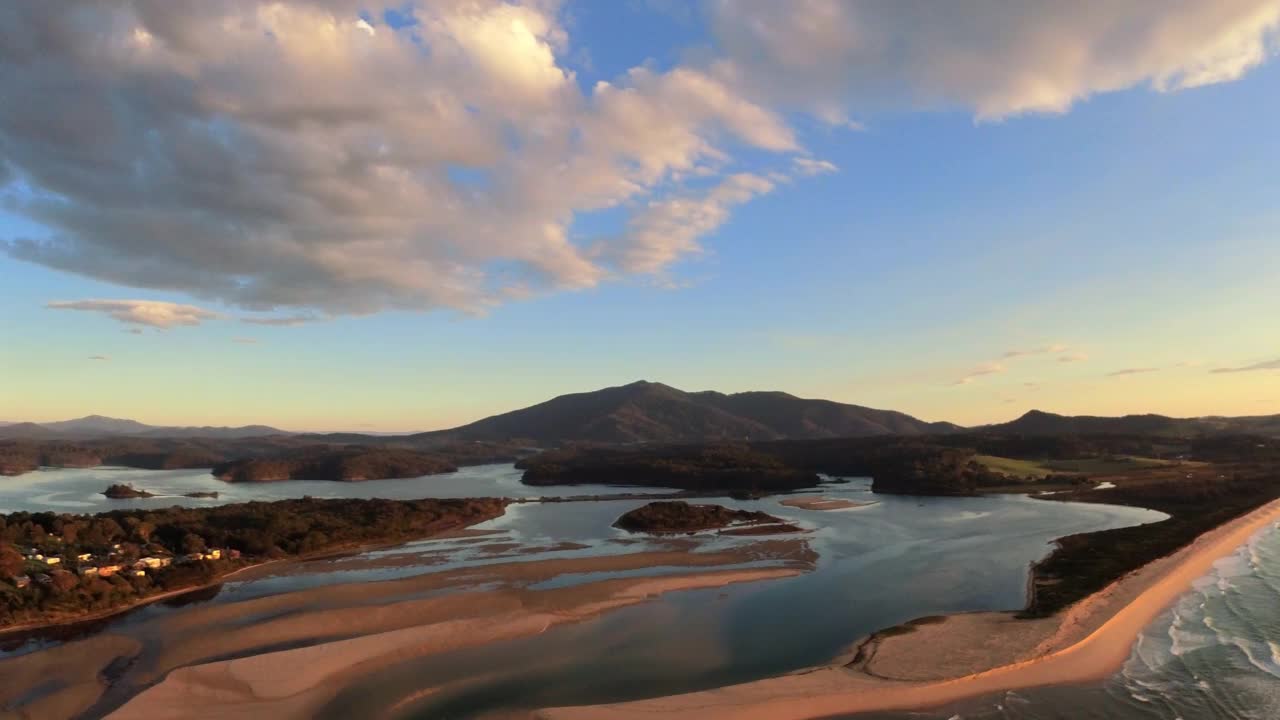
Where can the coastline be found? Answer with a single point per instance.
(337, 551)
(1087, 642)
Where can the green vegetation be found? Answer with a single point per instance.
(58, 566)
(718, 466)
(681, 517)
(1036, 469)
(346, 465)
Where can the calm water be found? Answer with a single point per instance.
(80, 491)
(1217, 655)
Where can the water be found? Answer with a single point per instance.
(80, 490)
(1214, 655)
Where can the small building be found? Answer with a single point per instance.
(53, 560)
(233, 554)
(88, 571)
(108, 570)
(43, 579)
(213, 555)
(139, 573)
(84, 557)
(21, 581)
(152, 562)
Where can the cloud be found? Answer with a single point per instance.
(1045, 350)
(996, 59)
(810, 166)
(99, 357)
(281, 321)
(447, 163)
(1265, 365)
(160, 152)
(134, 331)
(154, 313)
(980, 371)
(245, 340)
(1132, 371)
(1073, 357)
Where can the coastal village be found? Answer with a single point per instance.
(43, 566)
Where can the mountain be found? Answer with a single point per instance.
(93, 426)
(653, 412)
(1038, 422)
(27, 430)
(98, 425)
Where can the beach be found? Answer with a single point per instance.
(1087, 642)
(291, 651)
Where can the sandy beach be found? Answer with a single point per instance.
(978, 653)
(285, 654)
(821, 502)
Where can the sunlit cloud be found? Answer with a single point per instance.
(153, 313)
(981, 371)
(1265, 365)
(1133, 371)
(286, 321)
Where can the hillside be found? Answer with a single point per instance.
(653, 412)
(98, 426)
(1038, 422)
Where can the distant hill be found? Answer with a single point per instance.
(97, 426)
(653, 412)
(1038, 422)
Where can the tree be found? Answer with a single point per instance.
(11, 561)
(192, 543)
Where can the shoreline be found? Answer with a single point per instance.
(338, 551)
(1086, 642)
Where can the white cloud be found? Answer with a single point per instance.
(165, 152)
(154, 313)
(301, 157)
(993, 57)
(810, 166)
(281, 320)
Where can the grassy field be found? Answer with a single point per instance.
(1081, 466)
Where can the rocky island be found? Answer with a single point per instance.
(342, 465)
(125, 492)
(681, 517)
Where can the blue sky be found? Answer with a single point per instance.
(980, 249)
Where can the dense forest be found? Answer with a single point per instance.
(61, 566)
(704, 467)
(346, 465)
(681, 517)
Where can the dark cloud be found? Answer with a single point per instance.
(1265, 365)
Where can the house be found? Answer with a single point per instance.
(213, 555)
(108, 570)
(21, 581)
(51, 560)
(89, 571)
(139, 573)
(84, 557)
(152, 562)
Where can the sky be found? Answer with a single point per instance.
(345, 215)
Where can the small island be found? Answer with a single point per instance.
(125, 492)
(341, 465)
(668, 517)
(202, 494)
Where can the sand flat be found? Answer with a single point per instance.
(821, 502)
(296, 683)
(1088, 642)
